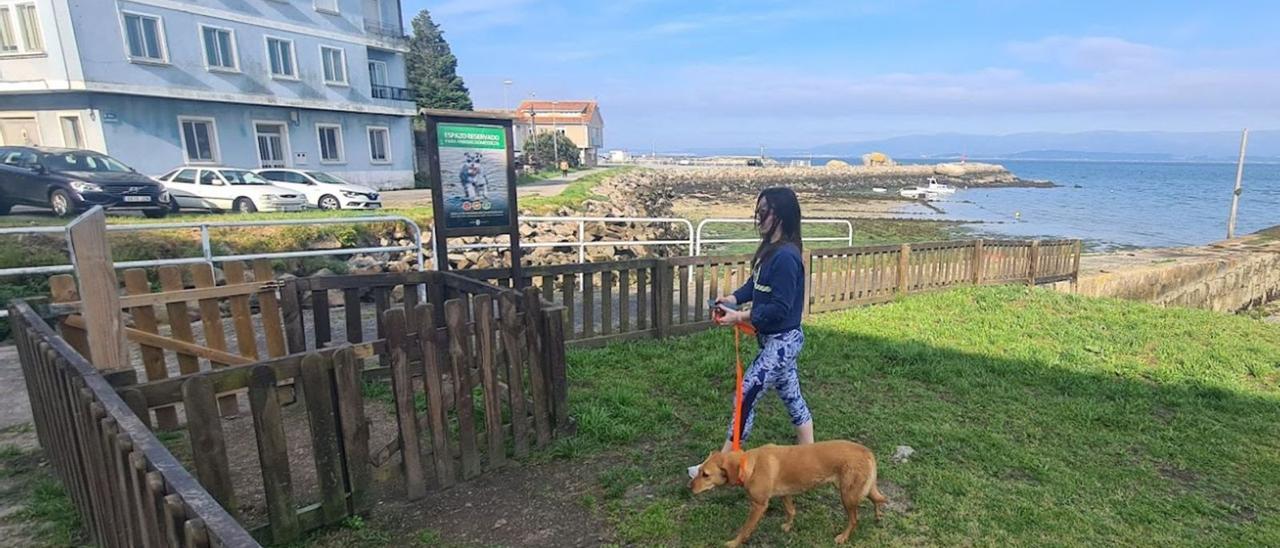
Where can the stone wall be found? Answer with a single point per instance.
(1226, 277)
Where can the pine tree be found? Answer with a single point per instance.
(432, 68)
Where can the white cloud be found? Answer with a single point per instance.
(1091, 53)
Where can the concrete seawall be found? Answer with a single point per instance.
(1227, 276)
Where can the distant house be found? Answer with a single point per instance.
(311, 84)
(580, 121)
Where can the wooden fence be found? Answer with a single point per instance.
(128, 488)
(648, 298)
(486, 359)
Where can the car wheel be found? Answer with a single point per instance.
(244, 205)
(174, 208)
(155, 213)
(61, 203)
(329, 202)
(4, 208)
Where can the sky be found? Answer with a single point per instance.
(673, 75)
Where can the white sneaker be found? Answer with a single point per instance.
(693, 470)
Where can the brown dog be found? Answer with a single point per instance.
(785, 470)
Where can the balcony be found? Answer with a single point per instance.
(388, 31)
(392, 94)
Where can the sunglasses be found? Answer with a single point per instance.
(762, 214)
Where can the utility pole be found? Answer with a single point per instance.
(1235, 196)
(555, 136)
(506, 85)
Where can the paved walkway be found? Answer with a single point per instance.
(15, 408)
(421, 197)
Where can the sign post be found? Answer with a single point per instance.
(473, 180)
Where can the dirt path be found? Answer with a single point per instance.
(15, 408)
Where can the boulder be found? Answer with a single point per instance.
(364, 264)
(327, 241)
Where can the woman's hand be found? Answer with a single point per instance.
(731, 317)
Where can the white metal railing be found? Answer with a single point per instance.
(581, 242)
(694, 242)
(699, 241)
(206, 244)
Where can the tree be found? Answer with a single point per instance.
(539, 151)
(432, 68)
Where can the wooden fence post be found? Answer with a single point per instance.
(807, 260)
(662, 294)
(553, 348)
(1075, 267)
(99, 289)
(904, 262)
(979, 256)
(1034, 256)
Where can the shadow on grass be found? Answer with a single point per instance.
(1123, 430)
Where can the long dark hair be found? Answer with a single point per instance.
(782, 203)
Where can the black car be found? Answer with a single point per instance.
(69, 180)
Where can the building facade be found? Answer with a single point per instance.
(580, 121)
(311, 84)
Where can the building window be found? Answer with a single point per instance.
(144, 36)
(378, 73)
(31, 39)
(72, 136)
(335, 65)
(379, 145)
(219, 48)
(283, 63)
(330, 136)
(199, 140)
(7, 43)
(330, 6)
(27, 24)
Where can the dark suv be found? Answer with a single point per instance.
(69, 180)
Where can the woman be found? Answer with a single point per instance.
(776, 291)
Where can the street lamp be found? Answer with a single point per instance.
(506, 84)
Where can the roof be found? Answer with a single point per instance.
(483, 114)
(559, 112)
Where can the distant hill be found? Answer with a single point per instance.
(1090, 145)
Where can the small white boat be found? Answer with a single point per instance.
(879, 189)
(930, 191)
(934, 187)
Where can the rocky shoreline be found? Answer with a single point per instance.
(839, 180)
(652, 193)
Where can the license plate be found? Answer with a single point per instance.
(137, 198)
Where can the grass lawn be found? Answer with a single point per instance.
(1037, 419)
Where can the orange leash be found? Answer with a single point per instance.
(738, 330)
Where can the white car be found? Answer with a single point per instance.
(227, 189)
(324, 190)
